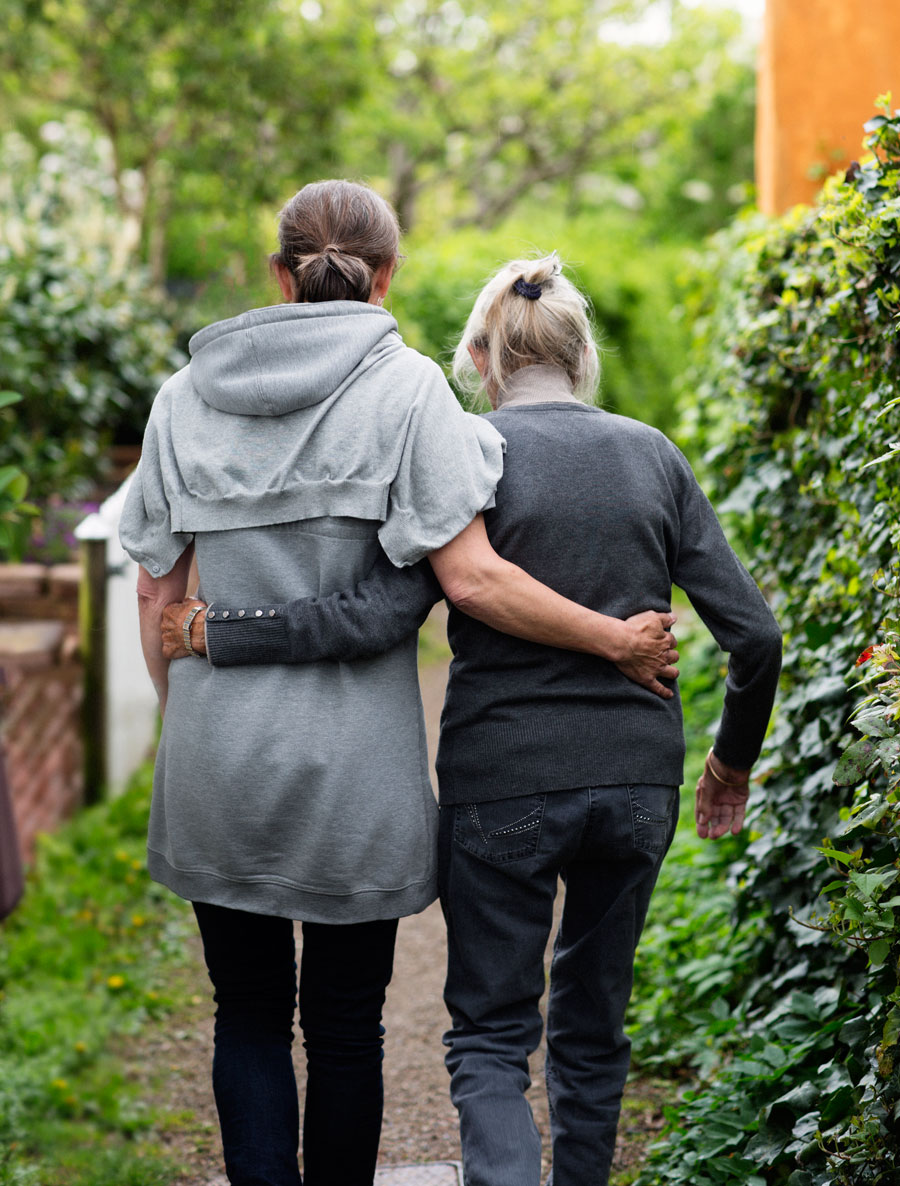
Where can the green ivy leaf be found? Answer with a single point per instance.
(835, 854)
(869, 884)
(854, 762)
(891, 1031)
(878, 951)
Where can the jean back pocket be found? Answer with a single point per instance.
(501, 830)
(654, 816)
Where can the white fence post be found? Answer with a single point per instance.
(126, 705)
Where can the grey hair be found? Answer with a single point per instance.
(514, 331)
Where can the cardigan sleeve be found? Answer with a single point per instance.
(385, 607)
(737, 615)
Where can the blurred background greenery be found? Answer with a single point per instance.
(147, 149)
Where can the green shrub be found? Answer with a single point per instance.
(14, 510)
(795, 395)
(81, 339)
(863, 915)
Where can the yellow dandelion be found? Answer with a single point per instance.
(122, 855)
(80, 1047)
(60, 1084)
(137, 920)
(152, 995)
(137, 865)
(115, 982)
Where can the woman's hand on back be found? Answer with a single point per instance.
(651, 651)
(173, 629)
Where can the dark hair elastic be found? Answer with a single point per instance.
(531, 291)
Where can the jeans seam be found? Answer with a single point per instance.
(519, 825)
(472, 809)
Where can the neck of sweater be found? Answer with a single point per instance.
(537, 384)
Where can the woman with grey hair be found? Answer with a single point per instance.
(550, 762)
(299, 441)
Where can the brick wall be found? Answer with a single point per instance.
(41, 695)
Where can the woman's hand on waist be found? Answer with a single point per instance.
(173, 620)
(649, 651)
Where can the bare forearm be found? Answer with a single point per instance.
(485, 586)
(150, 615)
(154, 594)
(505, 597)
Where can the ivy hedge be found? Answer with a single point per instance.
(795, 397)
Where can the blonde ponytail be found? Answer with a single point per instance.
(529, 313)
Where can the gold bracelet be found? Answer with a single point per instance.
(724, 781)
(186, 629)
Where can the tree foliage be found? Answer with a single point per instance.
(797, 396)
(461, 112)
(475, 105)
(242, 91)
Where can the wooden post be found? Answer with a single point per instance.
(92, 620)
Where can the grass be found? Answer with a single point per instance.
(84, 962)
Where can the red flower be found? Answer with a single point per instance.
(865, 656)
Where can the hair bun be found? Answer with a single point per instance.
(531, 292)
(333, 249)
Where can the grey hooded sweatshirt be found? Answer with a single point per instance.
(297, 440)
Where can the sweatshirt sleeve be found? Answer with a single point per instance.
(385, 607)
(448, 472)
(145, 527)
(737, 615)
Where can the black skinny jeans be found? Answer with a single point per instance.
(344, 972)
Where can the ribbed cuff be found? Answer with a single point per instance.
(233, 641)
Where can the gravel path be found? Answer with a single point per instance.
(419, 1120)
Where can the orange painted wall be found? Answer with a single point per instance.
(822, 63)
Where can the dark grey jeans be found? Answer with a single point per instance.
(499, 864)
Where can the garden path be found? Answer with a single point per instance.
(419, 1120)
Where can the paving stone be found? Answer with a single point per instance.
(436, 1173)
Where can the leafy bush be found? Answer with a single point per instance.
(795, 395)
(81, 339)
(14, 510)
(863, 915)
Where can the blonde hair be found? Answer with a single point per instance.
(334, 236)
(529, 313)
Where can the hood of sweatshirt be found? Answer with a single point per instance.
(268, 362)
(302, 412)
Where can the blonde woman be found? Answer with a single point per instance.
(551, 763)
